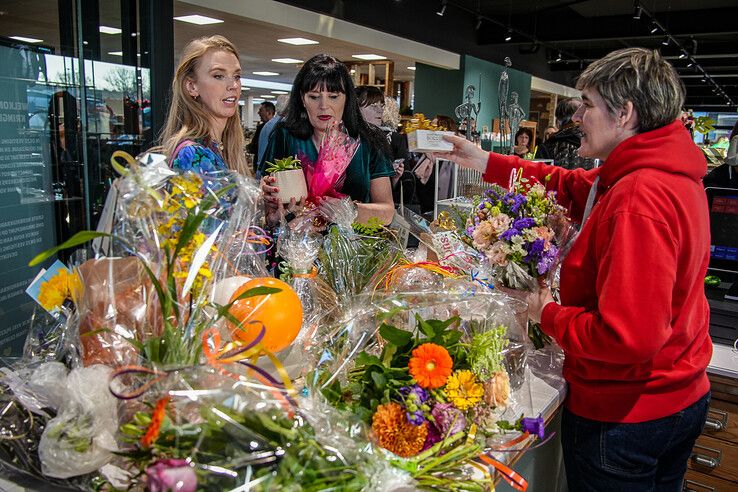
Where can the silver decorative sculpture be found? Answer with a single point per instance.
(503, 88)
(516, 115)
(467, 112)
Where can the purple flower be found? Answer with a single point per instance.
(515, 201)
(414, 397)
(509, 234)
(524, 223)
(449, 420)
(535, 426)
(171, 475)
(548, 258)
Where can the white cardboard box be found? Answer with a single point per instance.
(428, 141)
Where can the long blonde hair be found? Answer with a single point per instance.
(188, 120)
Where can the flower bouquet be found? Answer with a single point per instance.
(206, 431)
(325, 176)
(354, 256)
(523, 232)
(430, 373)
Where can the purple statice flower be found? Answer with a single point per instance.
(509, 234)
(548, 258)
(515, 201)
(524, 223)
(414, 398)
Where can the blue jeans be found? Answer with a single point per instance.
(648, 456)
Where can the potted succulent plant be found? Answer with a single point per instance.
(289, 178)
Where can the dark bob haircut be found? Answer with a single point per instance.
(324, 72)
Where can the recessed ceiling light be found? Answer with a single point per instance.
(268, 96)
(286, 60)
(266, 74)
(370, 56)
(27, 40)
(115, 53)
(297, 41)
(245, 88)
(110, 30)
(200, 20)
(411, 68)
(279, 92)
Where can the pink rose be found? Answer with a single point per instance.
(171, 476)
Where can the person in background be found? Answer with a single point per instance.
(203, 132)
(401, 157)
(372, 106)
(548, 132)
(323, 93)
(726, 175)
(523, 142)
(269, 126)
(563, 146)
(266, 113)
(633, 319)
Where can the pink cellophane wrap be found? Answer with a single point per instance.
(325, 176)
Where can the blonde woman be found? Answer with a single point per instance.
(203, 132)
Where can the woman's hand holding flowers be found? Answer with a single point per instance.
(537, 301)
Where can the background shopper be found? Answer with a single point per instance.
(563, 145)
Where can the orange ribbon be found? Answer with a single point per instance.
(508, 474)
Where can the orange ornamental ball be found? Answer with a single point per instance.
(280, 313)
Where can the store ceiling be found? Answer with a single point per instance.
(582, 30)
(258, 45)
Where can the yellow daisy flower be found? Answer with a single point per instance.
(463, 389)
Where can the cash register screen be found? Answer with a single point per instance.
(723, 228)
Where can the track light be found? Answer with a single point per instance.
(654, 28)
(559, 58)
(508, 37)
(682, 55)
(479, 22)
(665, 42)
(637, 11)
(690, 63)
(443, 9)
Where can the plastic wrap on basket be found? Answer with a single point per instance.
(352, 262)
(210, 432)
(432, 372)
(299, 248)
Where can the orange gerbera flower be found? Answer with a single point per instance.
(395, 433)
(430, 365)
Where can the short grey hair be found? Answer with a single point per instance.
(641, 76)
(565, 110)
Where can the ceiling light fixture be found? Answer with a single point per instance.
(297, 41)
(690, 63)
(479, 22)
(369, 56)
(411, 68)
(509, 35)
(110, 30)
(559, 57)
(286, 60)
(115, 53)
(266, 74)
(665, 42)
(443, 8)
(279, 92)
(637, 10)
(682, 55)
(199, 20)
(27, 40)
(268, 96)
(654, 28)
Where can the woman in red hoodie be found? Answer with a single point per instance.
(633, 317)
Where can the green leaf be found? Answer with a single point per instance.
(364, 359)
(395, 335)
(379, 380)
(223, 311)
(425, 327)
(79, 238)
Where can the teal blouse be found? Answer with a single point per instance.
(367, 164)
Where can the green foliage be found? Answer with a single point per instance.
(267, 444)
(485, 351)
(286, 164)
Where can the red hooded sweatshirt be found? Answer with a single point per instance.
(633, 320)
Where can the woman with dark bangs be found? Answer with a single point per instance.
(321, 94)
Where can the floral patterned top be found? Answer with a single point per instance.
(199, 157)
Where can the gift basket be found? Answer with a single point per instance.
(430, 372)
